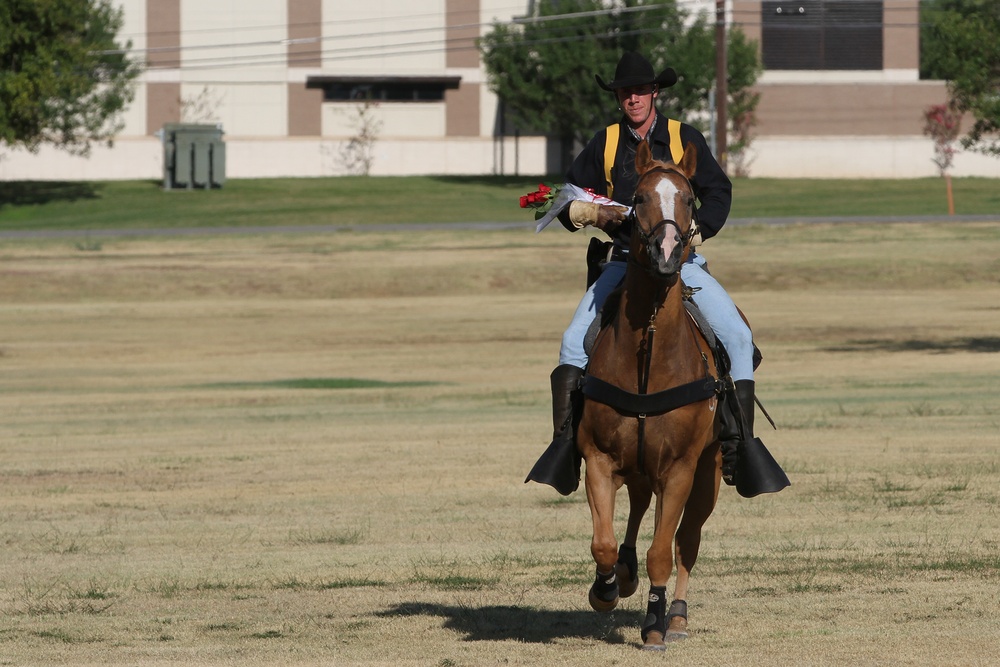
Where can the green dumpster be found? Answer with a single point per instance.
(194, 156)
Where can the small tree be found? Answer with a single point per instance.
(200, 108)
(743, 117)
(942, 123)
(744, 68)
(358, 154)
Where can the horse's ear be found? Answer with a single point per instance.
(689, 163)
(643, 157)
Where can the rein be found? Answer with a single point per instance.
(644, 384)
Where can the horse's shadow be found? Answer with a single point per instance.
(525, 624)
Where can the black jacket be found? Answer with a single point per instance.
(712, 187)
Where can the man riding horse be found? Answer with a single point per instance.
(607, 166)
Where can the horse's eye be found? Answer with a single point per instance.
(638, 199)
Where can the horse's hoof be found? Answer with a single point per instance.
(626, 584)
(602, 605)
(673, 636)
(654, 642)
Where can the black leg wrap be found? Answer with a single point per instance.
(677, 608)
(656, 612)
(628, 558)
(605, 587)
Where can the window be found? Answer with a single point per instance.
(822, 34)
(383, 89)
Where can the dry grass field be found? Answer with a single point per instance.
(309, 450)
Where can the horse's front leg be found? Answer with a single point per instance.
(601, 490)
(627, 568)
(672, 493)
(700, 504)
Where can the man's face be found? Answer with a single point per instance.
(637, 102)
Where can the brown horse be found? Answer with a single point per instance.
(649, 417)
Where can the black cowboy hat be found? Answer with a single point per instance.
(634, 70)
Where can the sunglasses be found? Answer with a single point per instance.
(646, 89)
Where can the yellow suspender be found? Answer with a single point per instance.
(676, 149)
(611, 148)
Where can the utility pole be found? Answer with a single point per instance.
(721, 88)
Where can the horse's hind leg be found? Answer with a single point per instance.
(601, 490)
(627, 567)
(699, 506)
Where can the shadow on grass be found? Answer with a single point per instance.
(28, 193)
(524, 624)
(975, 344)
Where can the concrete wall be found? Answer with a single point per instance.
(142, 158)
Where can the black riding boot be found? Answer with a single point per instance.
(744, 396)
(559, 464)
(746, 463)
(732, 435)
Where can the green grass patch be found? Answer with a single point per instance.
(337, 584)
(262, 202)
(319, 383)
(780, 197)
(55, 635)
(361, 201)
(457, 582)
(338, 537)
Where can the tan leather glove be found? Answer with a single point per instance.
(605, 218)
(696, 239)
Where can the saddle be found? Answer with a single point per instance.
(597, 254)
(669, 399)
(610, 308)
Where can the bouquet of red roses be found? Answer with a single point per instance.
(549, 201)
(540, 199)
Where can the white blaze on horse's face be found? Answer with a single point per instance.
(670, 195)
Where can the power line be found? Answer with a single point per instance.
(381, 19)
(332, 54)
(370, 35)
(271, 26)
(402, 49)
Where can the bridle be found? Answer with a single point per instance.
(684, 237)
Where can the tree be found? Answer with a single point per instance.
(959, 44)
(542, 66)
(941, 124)
(63, 77)
(358, 154)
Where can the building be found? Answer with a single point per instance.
(841, 94)
(283, 79)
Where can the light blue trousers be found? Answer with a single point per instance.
(715, 304)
